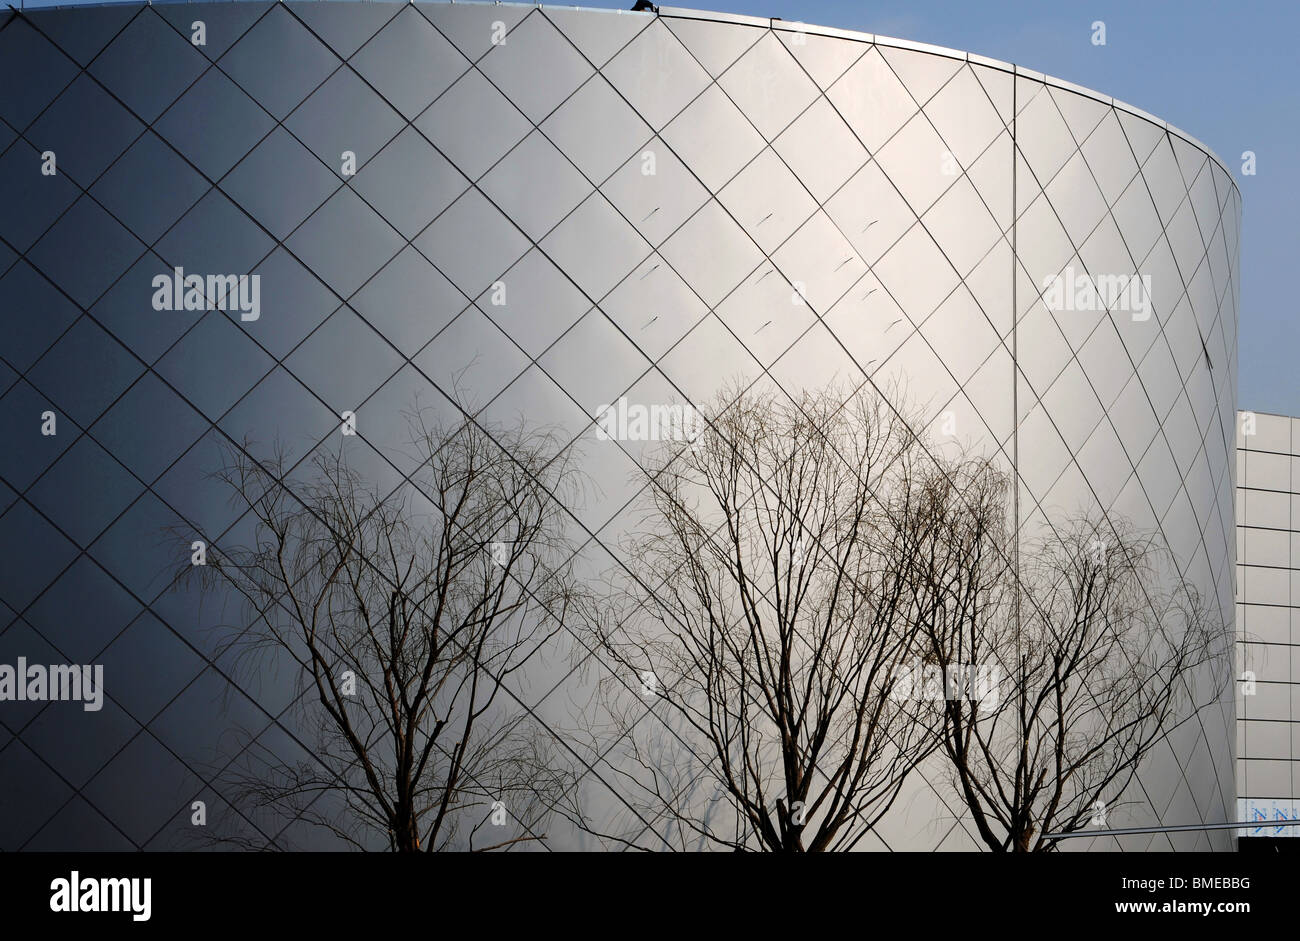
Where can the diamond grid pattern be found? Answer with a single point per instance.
(878, 101)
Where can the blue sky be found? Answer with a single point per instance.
(1223, 72)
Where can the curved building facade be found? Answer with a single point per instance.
(542, 211)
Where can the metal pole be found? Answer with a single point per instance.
(1248, 825)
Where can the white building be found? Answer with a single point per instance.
(670, 202)
(1268, 621)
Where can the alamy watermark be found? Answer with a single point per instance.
(1129, 293)
(88, 894)
(624, 421)
(56, 683)
(181, 291)
(976, 682)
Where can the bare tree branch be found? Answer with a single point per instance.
(405, 613)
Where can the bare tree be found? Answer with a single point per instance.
(769, 613)
(405, 614)
(1086, 663)
(819, 603)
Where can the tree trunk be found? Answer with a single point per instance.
(1025, 839)
(406, 832)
